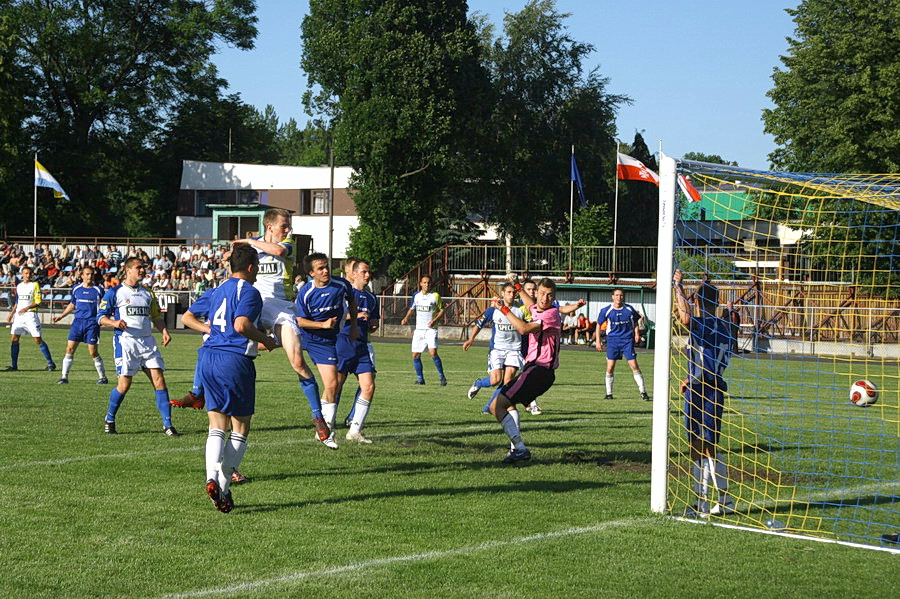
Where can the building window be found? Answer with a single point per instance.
(320, 201)
(204, 197)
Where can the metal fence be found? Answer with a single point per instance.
(551, 260)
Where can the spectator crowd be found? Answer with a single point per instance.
(189, 268)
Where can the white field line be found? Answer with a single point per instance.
(413, 557)
(789, 535)
(488, 426)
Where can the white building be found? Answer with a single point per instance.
(225, 200)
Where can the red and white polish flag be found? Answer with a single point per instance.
(630, 169)
(688, 188)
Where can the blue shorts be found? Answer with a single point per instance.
(703, 406)
(616, 348)
(229, 382)
(321, 350)
(85, 331)
(353, 356)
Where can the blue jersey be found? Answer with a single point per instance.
(709, 349)
(222, 306)
(620, 322)
(321, 303)
(366, 303)
(86, 301)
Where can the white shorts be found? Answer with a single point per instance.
(424, 339)
(498, 358)
(27, 323)
(133, 354)
(278, 311)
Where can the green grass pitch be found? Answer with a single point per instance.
(427, 510)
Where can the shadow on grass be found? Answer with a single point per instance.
(506, 489)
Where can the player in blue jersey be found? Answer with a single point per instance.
(428, 308)
(358, 357)
(86, 298)
(132, 310)
(620, 321)
(709, 348)
(227, 373)
(322, 305)
(505, 354)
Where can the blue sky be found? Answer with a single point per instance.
(697, 71)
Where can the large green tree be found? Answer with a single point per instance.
(837, 99)
(403, 89)
(104, 77)
(545, 103)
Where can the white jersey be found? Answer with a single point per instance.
(426, 306)
(275, 278)
(137, 306)
(27, 294)
(504, 335)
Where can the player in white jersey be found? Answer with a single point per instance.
(24, 320)
(505, 354)
(132, 310)
(275, 284)
(428, 308)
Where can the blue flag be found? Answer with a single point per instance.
(576, 176)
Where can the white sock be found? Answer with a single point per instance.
(67, 365)
(518, 421)
(639, 379)
(359, 414)
(329, 411)
(722, 480)
(234, 453)
(512, 429)
(215, 446)
(101, 370)
(609, 383)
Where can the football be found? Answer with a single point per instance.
(863, 393)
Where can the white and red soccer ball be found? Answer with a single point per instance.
(863, 393)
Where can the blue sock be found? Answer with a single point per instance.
(311, 390)
(46, 351)
(197, 388)
(440, 366)
(165, 410)
(483, 383)
(417, 365)
(14, 354)
(115, 400)
(487, 406)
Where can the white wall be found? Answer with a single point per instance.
(317, 227)
(194, 227)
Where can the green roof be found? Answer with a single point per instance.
(720, 205)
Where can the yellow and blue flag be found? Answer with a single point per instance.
(43, 178)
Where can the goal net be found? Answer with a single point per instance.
(806, 273)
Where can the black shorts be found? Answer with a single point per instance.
(531, 383)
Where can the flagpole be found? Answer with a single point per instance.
(35, 197)
(616, 212)
(571, 205)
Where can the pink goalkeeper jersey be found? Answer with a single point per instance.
(543, 345)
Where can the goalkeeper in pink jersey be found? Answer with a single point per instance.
(541, 362)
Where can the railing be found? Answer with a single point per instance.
(555, 261)
(54, 299)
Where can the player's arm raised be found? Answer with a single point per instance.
(571, 308)
(273, 249)
(684, 311)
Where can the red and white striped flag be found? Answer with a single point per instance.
(688, 188)
(630, 169)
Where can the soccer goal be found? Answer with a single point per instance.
(807, 273)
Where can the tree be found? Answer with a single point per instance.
(106, 75)
(545, 103)
(837, 101)
(402, 87)
(638, 216)
(713, 158)
(303, 147)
